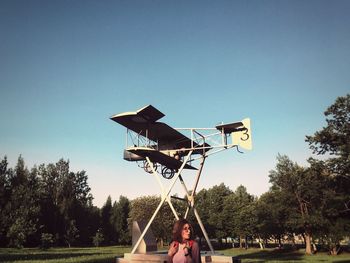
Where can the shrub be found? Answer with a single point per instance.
(98, 238)
(47, 240)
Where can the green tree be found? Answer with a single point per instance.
(51, 217)
(210, 206)
(216, 196)
(45, 200)
(272, 215)
(333, 225)
(22, 208)
(65, 197)
(142, 209)
(79, 206)
(106, 222)
(201, 203)
(5, 194)
(72, 233)
(307, 190)
(47, 240)
(98, 239)
(334, 140)
(238, 214)
(120, 215)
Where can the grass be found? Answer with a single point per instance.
(275, 255)
(108, 255)
(60, 255)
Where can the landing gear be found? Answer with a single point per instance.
(148, 168)
(168, 173)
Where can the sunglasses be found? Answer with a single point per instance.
(186, 229)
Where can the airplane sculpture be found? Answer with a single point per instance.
(155, 145)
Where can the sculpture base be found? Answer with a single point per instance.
(158, 257)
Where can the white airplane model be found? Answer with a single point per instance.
(167, 147)
(157, 145)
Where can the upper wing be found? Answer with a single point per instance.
(230, 127)
(144, 122)
(136, 120)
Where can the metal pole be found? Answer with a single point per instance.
(198, 176)
(191, 200)
(203, 229)
(195, 187)
(155, 174)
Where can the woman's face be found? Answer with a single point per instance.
(186, 232)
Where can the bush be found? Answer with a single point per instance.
(98, 238)
(47, 240)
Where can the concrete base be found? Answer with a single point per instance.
(163, 258)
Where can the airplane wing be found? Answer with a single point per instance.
(240, 133)
(230, 127)
(137, 120)
(144, 122)
(159, 157)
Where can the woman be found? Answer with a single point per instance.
(183, 249)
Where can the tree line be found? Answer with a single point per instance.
(50, 205)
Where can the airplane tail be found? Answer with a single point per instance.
(243, 136)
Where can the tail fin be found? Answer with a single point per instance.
(243, 136)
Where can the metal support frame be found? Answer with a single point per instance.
(190, 199)
(166, 197)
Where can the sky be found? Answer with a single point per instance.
(67, 66)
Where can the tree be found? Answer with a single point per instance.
(5, 194)
(210, 205)
(65, 197)
(142, 209)
(305, 189)
(201, 204)
(71, 233)
(46, 240)
(334, 140)
(271, 213)
(106, 222)
(238, 213)
(98, 238)
(49, 199)
(80, 208)
(51, 202)
(332, 222)
(22, 208)
(120, 215)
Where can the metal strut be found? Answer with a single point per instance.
(164, 197)
(190, 199)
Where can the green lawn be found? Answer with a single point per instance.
(108, 254)
(76, 255)
(275, 255)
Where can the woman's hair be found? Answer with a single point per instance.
(177, 229)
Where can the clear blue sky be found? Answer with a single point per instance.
(67, 66)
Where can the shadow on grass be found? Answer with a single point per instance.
(277, 255)
(101, 260)
(267, 255)
(262, 256)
